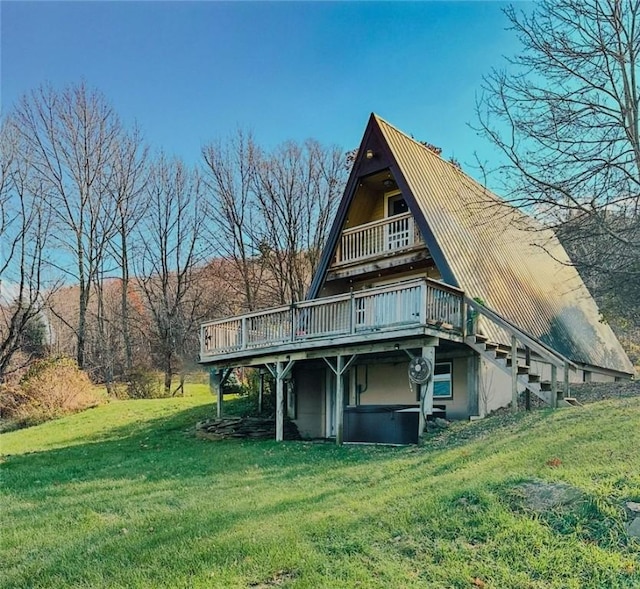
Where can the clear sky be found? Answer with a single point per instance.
(192, 72)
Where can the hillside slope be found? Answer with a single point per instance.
(125, 496)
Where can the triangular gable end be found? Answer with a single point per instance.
(380, 158)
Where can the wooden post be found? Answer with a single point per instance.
(260, 391)
(463, 318)
(514, 373)
(426, 393)
(422, 418)
(527, 392)
(352, 313)
(219, 399)
(279, 402)
(473, 385)
(279, 372)
(423, 303)
(215, 386)
(566, 380)
(243, 333)
(339, 400)
(339, 370)
(217, 378)
(554, 386)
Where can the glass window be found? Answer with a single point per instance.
(442, 381)
(396, 205)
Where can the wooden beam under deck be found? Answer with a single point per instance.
(339, 369)
(361, 343)
(392, 264)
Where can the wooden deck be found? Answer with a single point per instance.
(407, 309)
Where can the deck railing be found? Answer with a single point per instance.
(412, 303)
(377, 238)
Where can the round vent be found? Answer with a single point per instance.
(419, 370)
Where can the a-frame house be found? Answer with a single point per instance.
(433, 297)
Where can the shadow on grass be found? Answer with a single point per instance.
(166, 448)
(148, 504)
(150, 499)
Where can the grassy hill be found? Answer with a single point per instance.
(124, 495)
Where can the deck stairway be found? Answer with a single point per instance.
(554, 392)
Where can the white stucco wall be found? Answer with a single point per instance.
(495, 388)
(388, 383)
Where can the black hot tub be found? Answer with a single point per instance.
(382, 424)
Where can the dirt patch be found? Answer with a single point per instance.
(542, 496)
(276, 580)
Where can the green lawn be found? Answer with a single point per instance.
(124, 495)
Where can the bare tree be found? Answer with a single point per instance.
(565, 114)
(25, 224)
(167, 265)
(230, 170)
(126, 187)
(270, 212)
(71, 136)
(297, 188)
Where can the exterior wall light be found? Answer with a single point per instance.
(369, 154)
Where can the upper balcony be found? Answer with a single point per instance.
(411, 308)
(387, 236)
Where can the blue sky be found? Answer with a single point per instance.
(192, 72)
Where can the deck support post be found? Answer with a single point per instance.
(280, 371)
(527, 392)
(553, 400)
(340, 368)
(567, 392)
(514, 374)
(339, 400)
(217, 378)
(473, 386)
(426, 394)
(261, 392)
(279, 403)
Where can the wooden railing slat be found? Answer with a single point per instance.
(410, 303)
(378, 237)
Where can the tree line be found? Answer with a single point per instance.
(118, 253)
(114, 254)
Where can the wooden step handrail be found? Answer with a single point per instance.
(554, 357)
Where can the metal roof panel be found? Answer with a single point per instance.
(499, 254)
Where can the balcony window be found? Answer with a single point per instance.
(396, 204)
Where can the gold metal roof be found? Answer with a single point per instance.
(499, 254)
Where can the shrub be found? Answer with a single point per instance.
(12, 398)
(118, 390)
(143, 384)
(50, 388)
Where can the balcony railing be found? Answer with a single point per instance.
(410, 304)
(377, 238)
